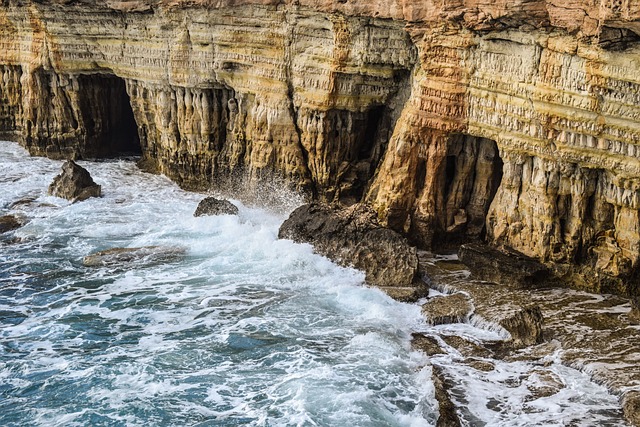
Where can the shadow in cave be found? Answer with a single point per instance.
(108, 118)
(472, 175)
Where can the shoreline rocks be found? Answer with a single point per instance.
(353, 237)
(504, 266)
(10, 223)
(74, 183)
(212, 206)
(145, 255)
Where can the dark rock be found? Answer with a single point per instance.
(448, 416)
(631, 406)
(353, 237)
(9, 223)
(504, 266)
(453, 308)
(525, 326)
(429, 345)
(634, 314)
(74, 183)
(213, 206)
(146, 255)
(466, 347)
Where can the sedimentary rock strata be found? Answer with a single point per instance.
(514, 122)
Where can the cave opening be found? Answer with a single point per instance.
(107, 117)
(472, 174)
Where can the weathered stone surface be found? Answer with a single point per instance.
(74, 183)
(9, 223)
(588, 332)
(213, 206)
(124, 256)
(353, 237)
(454, 308)
(506, 267)
(447, 416)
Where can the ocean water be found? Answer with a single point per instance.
(244, 329)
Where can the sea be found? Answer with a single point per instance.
(243, 329)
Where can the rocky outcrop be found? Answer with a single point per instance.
(9, 223)
(453, 308)
(505, 266)
(147, 255)
(213, 206)
(74, 183)
(353, 237)
(515, 123)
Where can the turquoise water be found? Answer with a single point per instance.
(245, 329)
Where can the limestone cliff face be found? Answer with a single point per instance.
(513, 121)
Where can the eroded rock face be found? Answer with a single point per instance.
(453, 308)
(74, 183)
(512, 122)
(213, 206)
(505, 266)
(9, 223)
(147, 255)
(353, 237)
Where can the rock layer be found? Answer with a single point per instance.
(513, 122)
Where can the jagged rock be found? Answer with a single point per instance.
(524, 325)
(447, 417)
(507, 267)
(429, 345)
(454, 308)
(213, 206)
(9, 223)
(631, 406)
(634, 314)
(74, 183)
(353, 237)
(144, 255)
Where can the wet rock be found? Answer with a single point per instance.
(480, 365)
(453, 308)
(448, 416)
(353, 237)
(504, 266)
(634, 314)
(145, 255)
(524, 325)
(631, 406)
(213, 206)
(429, 345)
(9, 223)
(543, 383)
(74, 183)
(406, 293)
(467, 348)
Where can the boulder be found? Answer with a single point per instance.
(353, 237)
(213, 206)
(74, 183)
(454, 308)
(504, 266)
(145, 255)
(9, 223)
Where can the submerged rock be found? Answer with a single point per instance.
(74, 183)
(146, 254)
(507, 267)
(453, 308)
(353, 237)
(9, 223)
(447, 417)
(213, 206)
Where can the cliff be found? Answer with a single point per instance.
(512, 121)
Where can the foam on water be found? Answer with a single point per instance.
(245, 330)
